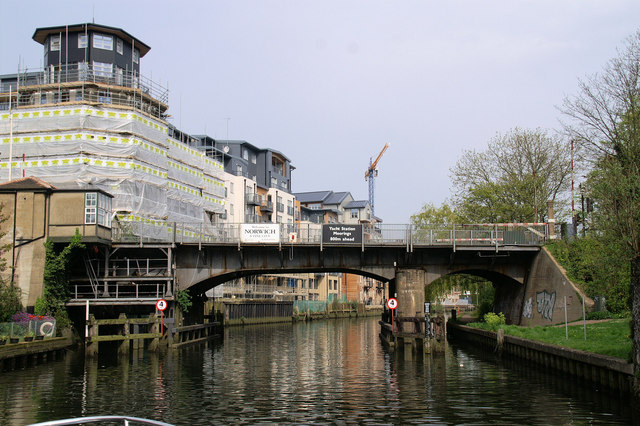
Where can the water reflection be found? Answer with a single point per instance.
(320, 372)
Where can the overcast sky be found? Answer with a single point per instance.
(328, 83)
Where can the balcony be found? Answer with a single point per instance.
(252, 218)
(253, 199)
(267, 207)
(80, 82)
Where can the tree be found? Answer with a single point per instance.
(604, 118)
(432, 215)
(513, 179)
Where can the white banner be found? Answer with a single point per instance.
(260, 233)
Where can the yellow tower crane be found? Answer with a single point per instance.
(371, 173)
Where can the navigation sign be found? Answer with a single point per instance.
(342, 234)
(161, 305)
(392, 303)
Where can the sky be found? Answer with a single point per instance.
(328, 83)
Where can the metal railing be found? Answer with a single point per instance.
(119, 289)
(45, 327)
(372, 235)
(85, 72)
(71, 84)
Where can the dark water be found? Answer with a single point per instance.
(327, 372)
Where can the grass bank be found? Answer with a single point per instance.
(612, 337)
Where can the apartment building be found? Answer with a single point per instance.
(258, 181)
(341, 207)
(90, 118)
(334, 207)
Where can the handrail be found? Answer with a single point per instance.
(409, 236)
(95, 419)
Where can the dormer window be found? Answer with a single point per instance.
(102, 41)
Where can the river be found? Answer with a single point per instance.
(321, 372)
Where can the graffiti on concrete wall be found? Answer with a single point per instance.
(527, 311)
(546, 303)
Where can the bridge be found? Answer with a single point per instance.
(530, 287)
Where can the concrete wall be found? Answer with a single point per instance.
(27, 230)
(545, 292)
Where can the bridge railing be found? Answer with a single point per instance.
(311, 233)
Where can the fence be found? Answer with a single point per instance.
(36, 328)
(311, 233)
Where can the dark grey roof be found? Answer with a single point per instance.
(312, 197)
(357, 204)
(336, 197)
(40, 35)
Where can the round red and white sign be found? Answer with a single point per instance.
(392, 303)
(161, 305)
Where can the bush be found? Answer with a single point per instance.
(485, 307)
(599, 266)
(494, 321)
(183, 298)
(9, 301)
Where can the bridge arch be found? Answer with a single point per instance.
(221, 278)
(508, 295)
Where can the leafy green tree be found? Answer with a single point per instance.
(604, 118)
(512, 180)
(432, 215)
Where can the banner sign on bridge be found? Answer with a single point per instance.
(260, 233)
(342, 234)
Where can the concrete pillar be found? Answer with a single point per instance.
(409, 315)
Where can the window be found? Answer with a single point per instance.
(83, 70)
(119, 75)
(230, 209)
(354, 213)
(55, 43)
(82, 41)
(245, 154)
(102, 69)
(136, 56)
(102, 41)
(253, 158)
(231, 187)
(97, 209)
(90, 205)
(119, 46)
(104, 97)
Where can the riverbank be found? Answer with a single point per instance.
(608, 371)
(23, 354)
